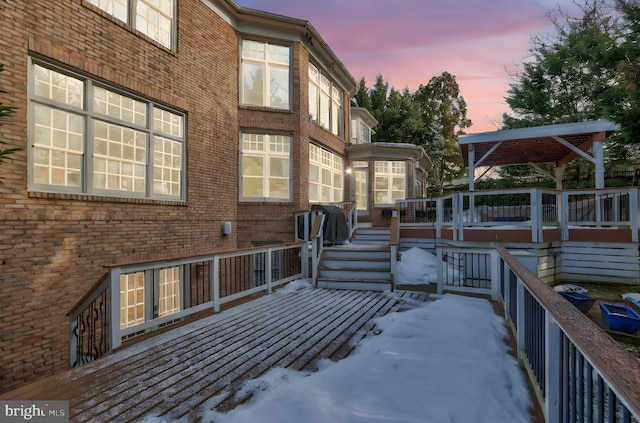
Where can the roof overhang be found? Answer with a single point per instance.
(389, 151)
(364, 115)
(556, 144)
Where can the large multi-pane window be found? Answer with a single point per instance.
(265, 74)
(326, 176)
(390, 182)
(154, 18)
(266, 167)
(150, 294)
(325, 102)
(88, 138)
(132, 299)
(169, 298)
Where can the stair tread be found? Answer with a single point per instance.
(359, 269)
(347, 280)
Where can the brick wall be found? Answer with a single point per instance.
(54, 247)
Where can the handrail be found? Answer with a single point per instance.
(95, 323)
(90, 296)
(394, 244)
(617, 366)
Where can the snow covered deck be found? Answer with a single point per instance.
(206, 361)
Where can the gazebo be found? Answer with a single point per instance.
(557, 144)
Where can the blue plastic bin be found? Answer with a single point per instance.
(620, 318)
(582, 301)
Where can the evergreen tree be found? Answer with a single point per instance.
(432, 117)
(588, 70)
(444, 114)
(622, 101)
(567, 75)
(361, 97)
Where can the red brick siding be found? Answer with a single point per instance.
(54, 247)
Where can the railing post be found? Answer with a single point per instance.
(267, 270)
(114, 315)
(439, 270)
(564, 216)
(214, 281)
(304, 257)
(535, 204)
(507, 291)
(633, 213)
(553, 358)
(394, 265)
(457, 204)
(439, 218)
(73, 342)
(520, 317)
(495, 275)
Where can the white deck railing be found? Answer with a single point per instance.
(204, 283)
(536, 210)
(578, 373)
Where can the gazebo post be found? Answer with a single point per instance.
(598, 155)
(472, 166)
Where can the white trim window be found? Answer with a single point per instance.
(150, 294)
(132, 299)
(154, 18)
(265, 167)
(89, 138)
(265, 75)
(325, 102)
(326, 176)
(390, 182)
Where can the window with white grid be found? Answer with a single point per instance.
(326, 176)
(154, 18)
(132, 299)
(325, 102)
(107, 145)
(169, 291)
(265, 167)
(390, 182)
(265, 74)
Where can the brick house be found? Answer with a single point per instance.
(145, 127)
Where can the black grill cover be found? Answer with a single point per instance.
(335, 225)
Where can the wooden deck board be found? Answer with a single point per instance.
(207, 361)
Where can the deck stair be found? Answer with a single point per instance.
(363, 265)
(372, 236)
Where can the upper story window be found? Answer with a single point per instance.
(154, 18)
(265, 167)
(360, 132)
(325, 102)
(265, 74)
(89, 138)
(326, 176)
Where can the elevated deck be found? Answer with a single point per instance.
(175, 374)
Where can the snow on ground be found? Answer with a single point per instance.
(443, 361)
(416, 267)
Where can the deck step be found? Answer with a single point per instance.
(372, 236)
(365, 267)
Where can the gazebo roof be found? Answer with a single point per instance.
(541, 144)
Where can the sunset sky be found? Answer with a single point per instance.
(410, 41)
